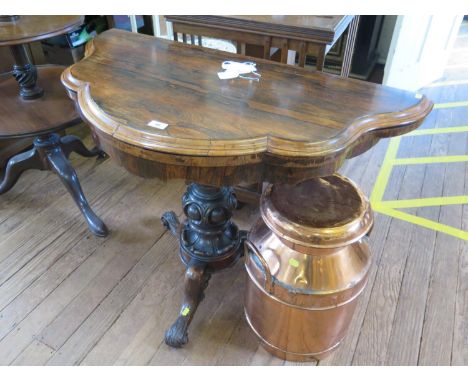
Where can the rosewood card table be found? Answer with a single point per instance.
(34, 104)
(158, 108)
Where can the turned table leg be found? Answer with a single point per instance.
(209, 241)
(50, 152)
(25, 73)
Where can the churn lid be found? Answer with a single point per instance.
(323, 212)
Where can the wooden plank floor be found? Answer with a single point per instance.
(68, 298)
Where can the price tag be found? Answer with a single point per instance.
(157, 124)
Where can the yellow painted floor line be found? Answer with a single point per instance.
(392, 207)
(447, 83)
(425, 202)
(385, 171)
(436, 159)
(450, 104)
(422, 222)
(438, 130)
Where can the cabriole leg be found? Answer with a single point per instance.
(53, 155)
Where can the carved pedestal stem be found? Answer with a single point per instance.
(209, 241)
(25, 73)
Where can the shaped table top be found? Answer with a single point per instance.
(128, 80)
(165, 97)
(26, 29)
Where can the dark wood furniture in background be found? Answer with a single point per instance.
(34, 105)
(293, 124)
(144, 23)
(9, 147)
(307, 35)
(366, 53)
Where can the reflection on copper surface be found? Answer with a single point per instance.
(301, 291)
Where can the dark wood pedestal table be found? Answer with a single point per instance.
(33, 103)
(158, 108)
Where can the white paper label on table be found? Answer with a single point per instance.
(157, 124)
(233, 69)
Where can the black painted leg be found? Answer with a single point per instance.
(71, 143)
(171, 222)
(196, 280)
(209, 241)
(48, 154)
(17, 165)
(59, 164)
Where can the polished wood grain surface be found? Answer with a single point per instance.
(53, 111)
(290, 117)
(33, 28)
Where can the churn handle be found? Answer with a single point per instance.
(268, 278)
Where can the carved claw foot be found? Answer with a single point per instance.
(171, 222)
(176, 336)
(209, 241)
(196, 280)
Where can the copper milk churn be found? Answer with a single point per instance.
(307, 260)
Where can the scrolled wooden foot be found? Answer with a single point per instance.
(196, 280)
(17, 165)
(71, 143)
(171, 222)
